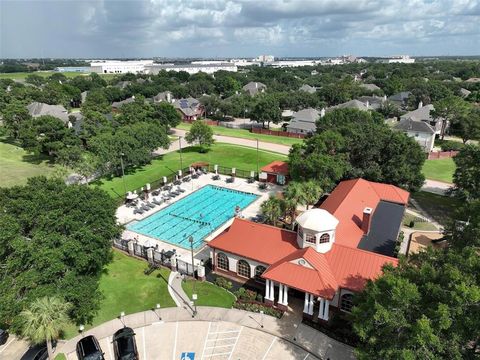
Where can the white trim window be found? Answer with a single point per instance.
(346, 302)
(222, 261)
(325, 238)
(243, 268)
(310, 238)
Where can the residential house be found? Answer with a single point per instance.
(400, 99)
(335, 250)
(308, 89)
(372, 102)
(303, 121)
(253, 88)
(473, 80)
(37, 109)
(123, 84)
(118, 104)
(421, 131)
(370, 87)
(423, 113)
(464, 92)
(166, 96)
(352, 104)
(190, 108)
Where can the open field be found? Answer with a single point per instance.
(208, 294)
(222, 154)
(16, 164)
(439, 207)
(126, 288)
(246, 134)
(440, 170)
(23, 75)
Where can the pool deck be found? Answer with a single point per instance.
(125, 215)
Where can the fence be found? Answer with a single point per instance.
(277, 133)
(160, 258)
(442, 154)
(208, 122)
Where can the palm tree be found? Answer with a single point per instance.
(44, 319)
(273, 208)
(312, 191)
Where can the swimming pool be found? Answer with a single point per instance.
(198, 215)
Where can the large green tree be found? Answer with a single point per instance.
(426, 308)
(200, 133)
(449, 110)
(266, 109)
(467, 173)
(54, 241)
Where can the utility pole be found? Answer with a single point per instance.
(258, 174)
(123, 172)
(180, 151)
(194, 295)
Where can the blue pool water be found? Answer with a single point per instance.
(198, 214)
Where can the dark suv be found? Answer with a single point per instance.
(3, 336)
(124, 344)
(88, 348)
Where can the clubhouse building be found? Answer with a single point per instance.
(334, 250)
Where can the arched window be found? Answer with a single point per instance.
(243, 268)
(310, 238)
(325, 238)
(259, 270)
(346, 302)
(222, 261)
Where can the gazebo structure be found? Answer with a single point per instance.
(276, 173)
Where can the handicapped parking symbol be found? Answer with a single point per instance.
(187, 356)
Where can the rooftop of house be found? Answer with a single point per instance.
(409, 124)
(420, 114)
(119, 104)
(370, 87)
(36, 109)
(307, 88)
(400, 96)
(253, 87)
(276, 167)
(352, 104)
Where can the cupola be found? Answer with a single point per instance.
(316, 229)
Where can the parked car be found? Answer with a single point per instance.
(3, 336)
(88, 348)
(124, 345)
(41, 353)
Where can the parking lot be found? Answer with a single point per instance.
(203, 340)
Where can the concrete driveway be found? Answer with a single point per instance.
(14, 348)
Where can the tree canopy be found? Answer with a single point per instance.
(54, 241)
(200, 133)
(467, 173)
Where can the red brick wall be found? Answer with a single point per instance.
(442, 154)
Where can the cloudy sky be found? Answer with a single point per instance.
(221, 28)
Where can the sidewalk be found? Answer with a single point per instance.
(436, 187)
(307, 338)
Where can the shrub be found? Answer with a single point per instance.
(411, 224)
(247, 295)
(259, 297)
(224, 283)
(448, 145)
(257, 308)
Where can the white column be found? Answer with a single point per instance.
(272, 290)
(320, 310)
(285, 295)
(325, 312)
(267, 290)
(310, 305)
(280, 293)
(305, 304)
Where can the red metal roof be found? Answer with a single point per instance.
(263, 243)
(348, 201)
(276, 167)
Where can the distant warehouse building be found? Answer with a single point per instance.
(192, 68)
(120, 67)
(79, 69)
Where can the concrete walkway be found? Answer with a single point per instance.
(436, 187)
(150, 326)
(174, 146)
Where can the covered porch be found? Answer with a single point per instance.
(314, 306)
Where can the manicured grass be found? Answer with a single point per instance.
(126, 288)
(17, 165)
(418, 225)
(23, 75)
(441, 169)
(222, 154)
(60, 356)
(208, 294)
(439, 207)
(246, 134)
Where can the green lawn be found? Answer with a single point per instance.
(438, 206)
(222, 154)
(16, 165)
(246, 134)
(418, 225)
(126, 288)
(441, 169)
(209, 294)
(23, 75)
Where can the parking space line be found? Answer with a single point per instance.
(219, 354)
(144, 347)
(175, 343)
(268, 350)
(205, 344)
(109, 345)
(236, 341)
(217, 346)
(305, 358)
(217, 339)
(224, 332)
(6, 345)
